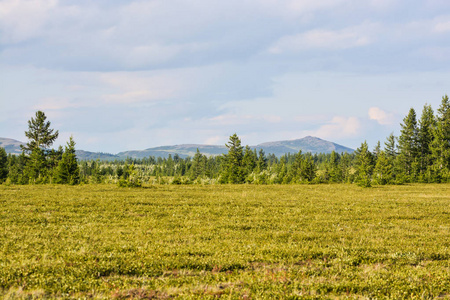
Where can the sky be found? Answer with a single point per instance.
(129, 75)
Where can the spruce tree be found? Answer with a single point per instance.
(198, 166)
(383, 169)
(249, 161)
(68, 171)
(391, 147)
(262, 161)
(408, 145)
(427, 124)
(40, 138)
(3, 165)
(308, 169)
(440, 146)
(335, 174)
(233, 169)
(364, 165)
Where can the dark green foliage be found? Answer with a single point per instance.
(68, 171)
(383, 169)
(262, 161)
(408, 144)
(130, 177)
(233, 171)
(39, 133)
(249, 161)
(198, 168)
(364, 165)
(440, 146)
(427, 125)
(3, 165)
(40, 138)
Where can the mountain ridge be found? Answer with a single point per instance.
(278, 148)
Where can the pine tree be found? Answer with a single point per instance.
(249, 161)
(391, 147)
(233, 169)
(426, 126)
(408, 145)
(3, 165)
(364, 164)
(376, 150)
(440, 146)
(262, 161)
(198, 166)
(333, 167)
(68, 171)
(383, 169)
(308, 169)
(345, 165)
(40, 137)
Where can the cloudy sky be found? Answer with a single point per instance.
(121, 75)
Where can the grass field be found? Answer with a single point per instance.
(241, 241)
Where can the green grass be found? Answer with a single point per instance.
(294, 241)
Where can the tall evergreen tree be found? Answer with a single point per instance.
(68, 171)
(233, 169)
(440, 146)
(3, 164)
(377, 150)
(364, 165)
(262, 161)
(333, 167)
(390, 147)
(249, 160)
(427, 125)
(40, 138)
(383, 169)
(408, 145)
(198, 166)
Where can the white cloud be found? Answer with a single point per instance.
(135, 87)
(55, 103)
(237, 119)
(382, 117)
(350, 37)
(338, 128)
(215, 140)
(22, 20)
(310, 118)
(442, 27)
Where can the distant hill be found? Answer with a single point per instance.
(306, 144)
(86, 155)
(182, 150)
(11, 146)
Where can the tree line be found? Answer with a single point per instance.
(421, 153)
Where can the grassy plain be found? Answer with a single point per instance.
(241, 241)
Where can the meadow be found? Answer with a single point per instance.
(232, 241)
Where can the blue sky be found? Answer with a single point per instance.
(121, 75)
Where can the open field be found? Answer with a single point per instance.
(240, 241)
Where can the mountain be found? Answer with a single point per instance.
(182, 150)
(11, 146)
(87, 155)
(306, 144)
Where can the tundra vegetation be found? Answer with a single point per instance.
(238, 241)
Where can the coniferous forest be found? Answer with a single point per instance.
(421, 153)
